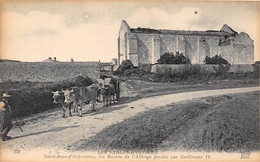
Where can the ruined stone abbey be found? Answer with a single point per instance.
(144, 45)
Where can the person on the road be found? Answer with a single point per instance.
(6, 117)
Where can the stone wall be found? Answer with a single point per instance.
(144, 47)
(227, 52)
(236, 68)
(243, 54)
(149, 47)
(192, 44)
(133, 49)
(122, 41)
(241, 68)
(144, 43)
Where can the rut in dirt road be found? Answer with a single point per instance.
(56, 133)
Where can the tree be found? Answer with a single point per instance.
(124, 66)
(215, 60)
(181, 59)
(170, 58)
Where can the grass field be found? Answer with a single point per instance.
(46, 71)
(228, 123)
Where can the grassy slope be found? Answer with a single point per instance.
(224, 123)
(147, 89)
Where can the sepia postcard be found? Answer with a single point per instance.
(144, 80)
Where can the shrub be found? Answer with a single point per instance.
(215, 60)
(29, 101)
(79, 81)
(185, 73)
(167, 75)
(125, 65)
(145, 68)
(222, 71)
(35, 98)
(166, 58)
(181, 59)
(170, 58)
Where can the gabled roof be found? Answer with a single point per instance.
(227, 29)
(125, 23)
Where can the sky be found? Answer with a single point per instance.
(88, 31)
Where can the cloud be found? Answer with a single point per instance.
(34, 23)
(239, 17)
(89, 33)
(159, 18)
(38, 35)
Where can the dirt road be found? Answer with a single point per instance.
(49, 131)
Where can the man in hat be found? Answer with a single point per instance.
(6, 114)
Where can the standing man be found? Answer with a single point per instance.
(6, 117)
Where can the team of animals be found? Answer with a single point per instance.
(76, 97)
